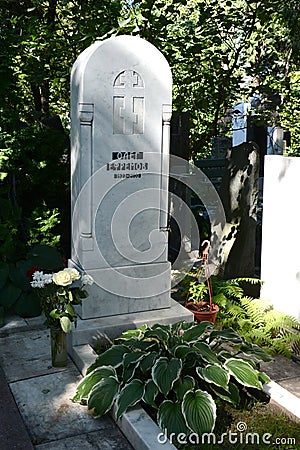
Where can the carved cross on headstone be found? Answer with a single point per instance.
(128, 103)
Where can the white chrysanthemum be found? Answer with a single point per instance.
(47, 278)
(39, 279)
(37, 275)
(87, 279)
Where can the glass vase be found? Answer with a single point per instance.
(58, 347)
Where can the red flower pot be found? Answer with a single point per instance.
(202, 311)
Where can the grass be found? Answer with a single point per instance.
(261, 427)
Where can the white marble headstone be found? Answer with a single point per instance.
(120, 130)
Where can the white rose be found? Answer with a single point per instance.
(62, 278)
(74, 274)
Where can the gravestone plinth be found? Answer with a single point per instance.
(120, 136)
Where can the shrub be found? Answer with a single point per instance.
(182, 372)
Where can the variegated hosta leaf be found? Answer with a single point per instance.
(182, 385)
(194, 333)
(232, 395)
(151, 391)
(170, 418)
(130, 364)
(147, 362)
(206, 353)
(182, 351)
(158, 333)
(129, 334)
(113, 356)
(227, 334)
(89, 381)
(102, 395)
(165, 372)
(243, 372)
(214, 374)
(199, 410)
(129, 395)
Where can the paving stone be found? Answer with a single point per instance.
(111, 439)
(12, 324)
(47, 410)
(13, 433)
(26, 354)
(292, 385)
(281, 368)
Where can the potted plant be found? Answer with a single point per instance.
(59, 293)
(199, 299)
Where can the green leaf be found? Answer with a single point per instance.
(19, 278)
(226, 335)
(130, 364)
(214, 374)
(182, 351)
(151, 391)
(256, 351)
(182, 385)
(165, 372)
(113, 356)
(9, 295)
(28, 305)
(147, 362)
(194, 333)
(129, 395)
(2, 317)
(4, 270)
(199, 411)
(54, 314)
(206, 353)
(263, 377)
(170, 417)
(70, 310)
(243, 372)
(65, 324)
(89, 381)
(48, 258)
(102, 395)
(159, 333)
(129, 334)
(231, 395)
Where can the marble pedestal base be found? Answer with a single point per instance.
(128, 290)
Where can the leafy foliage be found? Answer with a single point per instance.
(254, 318)
(16, 293)
(181, 372)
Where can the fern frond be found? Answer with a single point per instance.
(249, 280)
(256, 309)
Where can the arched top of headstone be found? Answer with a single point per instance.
(121, 54)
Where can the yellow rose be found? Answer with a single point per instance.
(74, 274)
(62, 278)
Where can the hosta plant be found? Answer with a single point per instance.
(181, 372)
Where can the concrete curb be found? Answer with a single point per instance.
(283, 398)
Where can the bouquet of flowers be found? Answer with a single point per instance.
(59, 292)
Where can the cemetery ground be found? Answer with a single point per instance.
(37, 411)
